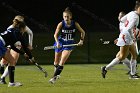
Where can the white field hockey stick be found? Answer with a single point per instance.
(104, 42)
(137, 50)
(54, 47)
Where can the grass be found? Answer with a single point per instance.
(76, 78)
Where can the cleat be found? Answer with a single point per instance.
(53, 80)
(134, 76)
(103, 71)
(58, 77)
(16, 84)
(2, 81)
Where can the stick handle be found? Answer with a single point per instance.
(54, 47)
(70, 45)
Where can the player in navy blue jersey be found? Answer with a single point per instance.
(3, 62)
(67, 29)
(10, 37)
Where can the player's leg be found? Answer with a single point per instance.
(15, 56)
(64, 57)
(11, 69)
(124, 50)
(57, 59)
(126, 62)
(3, 63)
(113, 62)
(133, 62)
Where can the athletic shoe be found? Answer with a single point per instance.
(103, 71)
(134, 76)
(53, 80)
(58, 77)
(16, 84)
(2, 81)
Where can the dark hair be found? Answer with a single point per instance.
(137, 4)
(122, 12)
(67, 10)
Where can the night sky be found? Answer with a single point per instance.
(49, 12)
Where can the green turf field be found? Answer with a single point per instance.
(76, 78)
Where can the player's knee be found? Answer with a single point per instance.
(121, 57)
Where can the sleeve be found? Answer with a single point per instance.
(123, 19)
(25, 46)
(130, 24)
(30, 35)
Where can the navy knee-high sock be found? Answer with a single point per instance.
(1, 70)
(11, 70)
(58, 70)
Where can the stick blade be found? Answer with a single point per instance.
(46, 74)
(49, 47)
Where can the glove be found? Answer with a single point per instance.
(80, 43)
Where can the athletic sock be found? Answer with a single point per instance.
(58, 70)
(126, 62)
(1, 70)
(55, 67)
(133, 66)
(11, 70)
(112, 63)
(5, 73)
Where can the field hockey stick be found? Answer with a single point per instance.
(54, 47)
(137, 50)
(104, 42)
(40, 68)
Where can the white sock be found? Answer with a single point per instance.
(6, 73)
(126, 62)
(112, 63)
(133, 66)
(2, 64)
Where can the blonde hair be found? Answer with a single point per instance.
(19, 18)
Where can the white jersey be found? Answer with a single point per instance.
(121, 26)
(128, 29)
(131, 21)
(29, 32)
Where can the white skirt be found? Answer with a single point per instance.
(124, 39)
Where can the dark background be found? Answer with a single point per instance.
(97, 17)
(49, 12)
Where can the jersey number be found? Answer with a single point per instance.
(68, 36)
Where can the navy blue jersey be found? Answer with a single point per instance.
(11, 36)
(68, 32)
(67, 35)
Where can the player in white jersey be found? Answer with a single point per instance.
(14, 53)
(126, 61)
(126, 42)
